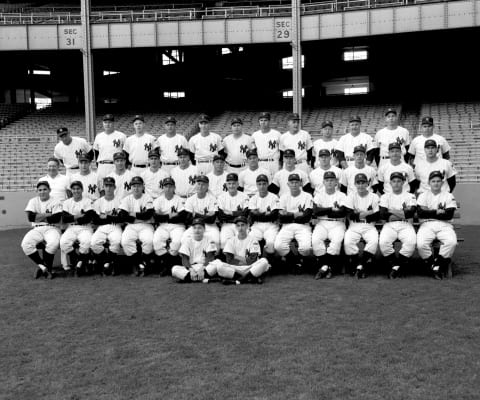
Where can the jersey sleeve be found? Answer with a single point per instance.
(449, 169)
(370, 143)
(349, 202)
(281, 145)
(305, 178)
(422, 200)
(309, 141)
(191, 144)
(375, 203)
(31, 206)
(189, 205)
(88, 205)
(241, 179)
(185, 247)
(308, 201)
(86, 146)
(410, 174)
(219, 142)
(444, 146)
(412, 201)
(283, 203)
(229, 246)
(383, 201)
(450, 202)
(412, 149)
(56, 153)
(276, 179)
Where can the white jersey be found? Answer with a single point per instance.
(107, 207)
(91, 184)
(385, 136)
(241, 248)
(299, 142)
(77, 207)
(69, 153)
(348, 177)
(316, 177)
(205, 147)
(267, 144)
(325, 200)
(154, 181)
(169, 147)
(265, 204)
(50, 206)
(217, 183)
(417, 147)
(424, 168)
(195, 205)
(122, 183)
(227, 202)
(138, 146)
(386, 169)
(196, 250)
(247, 179)
(298, 203)
(164, 206)
(184, 180)
(358, 203)
(107, 144)
(442, 200)
(280, 179)
(330, 145)
(392, 201)
(58, 186)
(236, 148)
(133, 206)
(348, 142)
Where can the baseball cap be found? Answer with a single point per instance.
(232, 176)
(265, 115)
(136, 180)
(329, 175)
(430, 143)
(391, 111)
(252, 152)
(62, 131)
(394, 145)
(139, 117)
(170, 118)
(293, 117)
(54, 159)
(204, 118)
(218, 157)
(76, 183)
(108, 180)
(361, 178)
(237, 121)
(397, 174)
(359, 148)
(262, 178)
(83, 157)
(324, 152)
(355, 118)
(289, 153)
(240, 218)
(427, 121)
(198, 221)
(154, 153)
(327, 123)
(108, 117)
(119, 155)
(294, 177)
(182, 151)
(202, 178)
(43, 183)
(168, 181)
(435, 174)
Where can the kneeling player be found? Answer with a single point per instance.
(363, 211)
(398, 209)
(197, 250)
(435, 210)
(44, 213)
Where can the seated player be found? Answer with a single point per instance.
(78, 214)
(170, 216)
(436, 208)
(153, 176)
(363, 211)
(44, 213)
(329, 208)
(196, 250)
(247, 179)
(242, 253)
(137, 211)
(109, 229)
(397, 209)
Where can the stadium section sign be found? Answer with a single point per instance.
(283, 29)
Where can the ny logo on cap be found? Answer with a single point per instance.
(213, 147)
(92, 188)
(302, 145)
(243, 149)
(116, 143)
(147, 146)
(272, 144)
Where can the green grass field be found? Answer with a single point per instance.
(291, 338)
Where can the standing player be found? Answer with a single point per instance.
(184, 175)
(121, 175)
(247, 179)
(323, 165)
(44, 213)
(205, 145)
(218, 177)
(295, 214)
(170, 143)
(436, 209)
(236, 146)
(398, 209)
(280, 183)
(153, 176)
(417, 147)
(392, 133)
(347, 179)
(363, 211)
(299, 141)
(348, 142)
(88, 178)
(329, 208)
(267, 141)
(395, 163)
(326, 142)
(106, 144)
(69, 148)
(138, 145)
(59, 184)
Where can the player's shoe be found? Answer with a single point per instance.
(437, 273)
(325, 272)
(394, 272)
(360, 272)
(49, 274)
(107, 269)
(79, 268)
(38, 273)
(141, 270)
(230, 282)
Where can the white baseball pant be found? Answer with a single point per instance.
(211, 230)
(401, 230)
(357, 231)
(304, 166)
(258, 268)
(71, 171)
(44, 233)
(267, 231)
(138, 231)
(103, 170)
(441, 230)
(168, 167)
(300, 232)
(136, 171)
(204, 167)
(272, 166)
(237, 170)
(180, 272)
(110, 232)
(82, 233)
(331, 230)
(166, 231)
(227, 231)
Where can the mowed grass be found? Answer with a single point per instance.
(291, 338)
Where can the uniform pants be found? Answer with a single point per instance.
(402, 231)
(168, 167)
(331, 230)
(110, 232)
(211, 230)
(300, 232)
(305, 167)
(237, 170)
(138, 231)
(46, 233)
(441, 230)
(258, 268)
(82, 233)
(272, 166)
(267, 231)
(136, 171)
(204, 167)
(357, 231)
(180, 272)
(227, 231)
(166, 231)
(103, 170)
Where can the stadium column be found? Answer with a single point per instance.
(88, 86)
(297, 57)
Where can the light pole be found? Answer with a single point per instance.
(297, 57)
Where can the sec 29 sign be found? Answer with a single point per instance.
(283, 29)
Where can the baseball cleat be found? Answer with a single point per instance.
(324, 273)
(437, 274)
(38, 273)
(394, 273)
(360, 273)
(230, 282)
(141, 270)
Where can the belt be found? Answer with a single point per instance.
(183, 197)
(385, 157)
(266, 159)
(203, 161)
(349, 158)
(301, 161)
(38, 225)
(74, 223)
(105, 162)
(140, 165)
(331, 219)
(361, 221)
(236, 165)
(73, 167)
(169, 162)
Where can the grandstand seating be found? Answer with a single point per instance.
(11, 112)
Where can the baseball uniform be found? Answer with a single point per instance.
(137, 147)
(109, 228)
(204, 148)
(78, 230)
(169, 226)
(68, 154)
(59, 185)
(185, 184)
(330, 145)
(280, 179)
(91, 184)
(169, 146)
(301, 143)
(316, 177)
(247, 179)
(153, 181)
(107, 144)
(229, 205)
(348, 177)
(217, 183)
(417, 147)
(386, 169)
(348, 142)
(385, 136)
(200, 207)
(268, 149)
(425, 167)
(236, 150)
(264, 214)
(122, 183)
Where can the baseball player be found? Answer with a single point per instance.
(436, 209)
(78, 214)
(205, 145)
(247, 179)
(197, 252)
(121, 175)
(137, 211)
(280, 183)
(417, 147)
(395, 163)
(323, 165)
(329, 208)
(363, 211)
(44, 213)
(242, 252)
(294, 215)
(299, 141)
(326, 142)
(347, 179)
(184, 175)
(59, 183)
(203, 205)
(88, 178)
(397, 209)
(263, 209)
(170, 216)
(230, 205)
(170, 143)
(218, 177)
(69, 148)
(348, 142)
(106, 144)
(433, 162)
(267, 141)
(154, 176)
(235, 147)
(392, 133)
(138, 145)
(109, 228)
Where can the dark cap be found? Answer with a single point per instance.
(154, 153)
(355, 118)
(361, 178)
(84, 157)
(108, 180)
(427, 121)
(397, 175)
(170, 118)
(204, 118)
(237, 121)
(54, 159)
(232, 176)
(182, 151)
(430, 143)
(294, 177)
(76, 183)
(265, 115)
(252, 152)
(394, 145)
(324, 152)
(359, 148)
(168, 181)
(240, 218)
(435, 174)
(391, 111)
(202, 178)
(293, 117)
(139, 117)
(329, 175)
(327, 123)
(108, 117)
(119, 155)
(262, 178)
(198, 221)
(136, 180)
(289, 153)
(43, 183)
(62, 131)
(218, 157)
